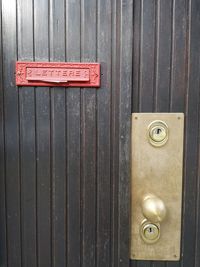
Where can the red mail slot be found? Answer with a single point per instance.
(58, 74)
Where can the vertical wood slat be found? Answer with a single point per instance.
(178, 67)
(115, 83)
(163, 57)
(73, 106)
(43, 117)
(88, 140)
(3, 232)
(103, 135)
(178, 56)
(12, 168)
(147, 55)
(27, 139)
(192, 127)
(137, 39)
(58, 138)
(197, 245)
(124, 131)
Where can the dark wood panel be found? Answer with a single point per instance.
(3, 232)
(163, 55)
(147, 55)
(58, 139)
(176, 89)
(73, 107)
(179, 56)
(43, 146)
(27, 140)
(124, 131)
(103, 135)
(192, 100)
(115, 83)
(137, 9)
(43, 177)
(65, 152)
(88, 138)
(11, 119)
(66, 160)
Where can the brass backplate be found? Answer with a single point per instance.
(157, 170)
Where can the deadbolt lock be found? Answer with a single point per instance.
(158, 133)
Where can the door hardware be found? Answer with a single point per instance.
(153, 208)
(150, 232)
(158, 133)
(156, 185)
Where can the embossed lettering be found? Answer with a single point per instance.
(44, 73)
(64, 72)
(71, 73)
(78, 73)
(29, 72)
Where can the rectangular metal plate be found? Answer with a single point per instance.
(58, 74)
(157, 170)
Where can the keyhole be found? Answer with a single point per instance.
(150, 230)
(158, 131)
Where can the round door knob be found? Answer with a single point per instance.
(153, 208)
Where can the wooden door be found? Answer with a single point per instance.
(64, 199)
(65, 152)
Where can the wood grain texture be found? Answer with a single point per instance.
(3, 232)
(88, 138)
(175, 74)
(64, 153)
(58, 139)
(73, 111)
(43, 146)
(103, 135)
(27, 140)
(11, 122)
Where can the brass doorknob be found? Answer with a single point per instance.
(153, 208)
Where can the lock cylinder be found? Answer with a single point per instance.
(158, 133)
(150, 232)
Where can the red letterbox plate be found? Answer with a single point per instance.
(57, 74)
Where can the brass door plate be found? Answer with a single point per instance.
(157, 170)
